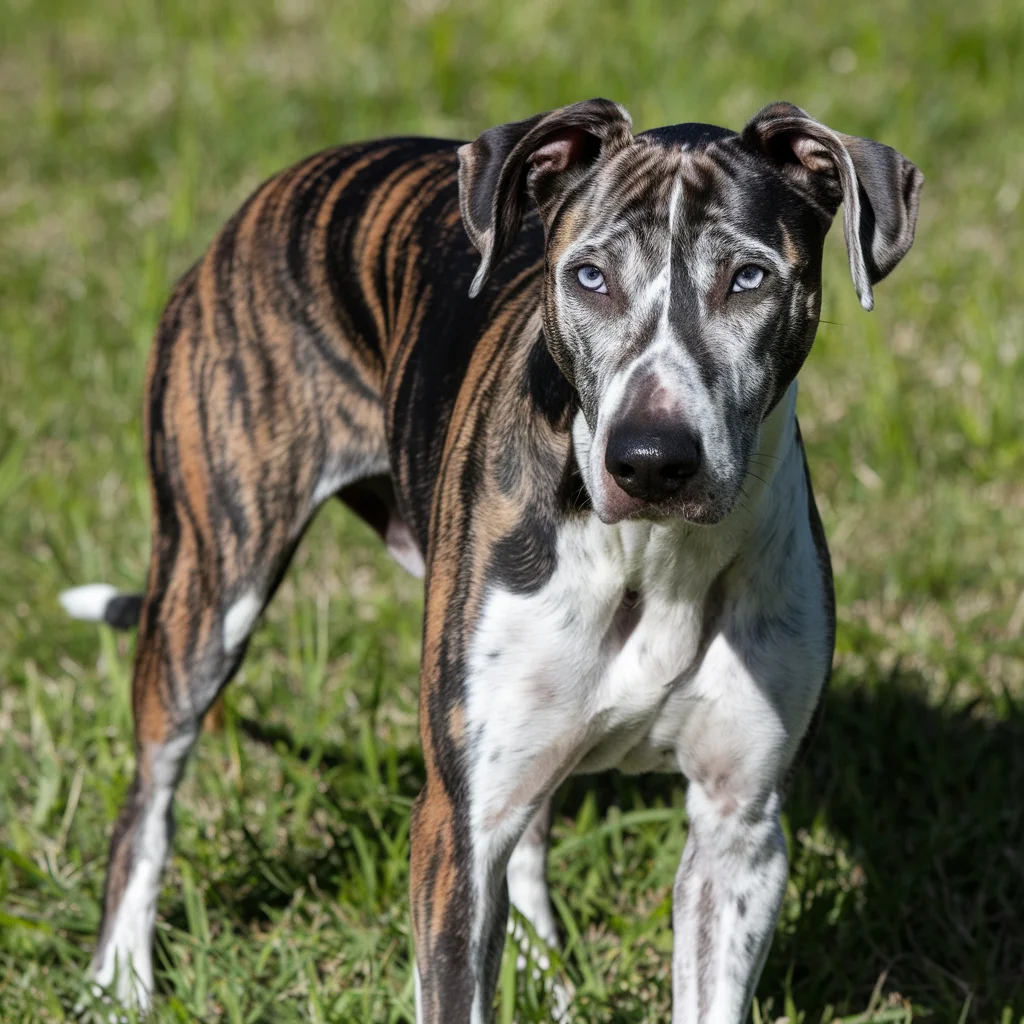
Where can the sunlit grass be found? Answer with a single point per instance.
(128, 132)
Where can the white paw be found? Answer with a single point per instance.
(114, 989)
(533, 953)
(561, 996)
(96, 1007)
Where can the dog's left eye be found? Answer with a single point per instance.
(748, 278)
(592, 279)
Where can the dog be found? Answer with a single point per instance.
(555, 370)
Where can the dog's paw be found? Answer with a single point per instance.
(534, 955)
(96, 1007)
(124, 1001)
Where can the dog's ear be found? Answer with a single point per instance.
(541, 157)
(878, 187)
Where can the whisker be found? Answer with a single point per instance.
(770, 469)
(743, 507)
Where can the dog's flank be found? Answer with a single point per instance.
(594, 462)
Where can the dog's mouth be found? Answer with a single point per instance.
(692, 504)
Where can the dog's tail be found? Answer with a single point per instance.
(100, 602)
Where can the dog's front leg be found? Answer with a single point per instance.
(459, 908)
(727, 897)
(459, 893)
(498, 737)
(742, 719)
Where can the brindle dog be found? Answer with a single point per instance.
(555, 370)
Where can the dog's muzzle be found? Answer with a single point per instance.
(652, 462)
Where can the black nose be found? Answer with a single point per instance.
(651, 462)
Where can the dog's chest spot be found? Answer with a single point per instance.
(625, 619)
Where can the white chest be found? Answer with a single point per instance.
(595, 653)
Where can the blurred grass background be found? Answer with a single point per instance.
(128, 133)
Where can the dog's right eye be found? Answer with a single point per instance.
(748, 278)
(592, 279)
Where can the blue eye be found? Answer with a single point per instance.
(748, 278)
(592, 279)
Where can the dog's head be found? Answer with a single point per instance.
(682, 277)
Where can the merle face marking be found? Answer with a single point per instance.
(707, 307)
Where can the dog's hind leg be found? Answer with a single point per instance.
(527, 877)
(199, 612)
(528, 892)
(241, 453)
(191, 640)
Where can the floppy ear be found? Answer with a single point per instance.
(541, 157)
(878, 187)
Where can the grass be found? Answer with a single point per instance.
(128, 132)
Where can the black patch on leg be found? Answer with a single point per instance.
(451, 974)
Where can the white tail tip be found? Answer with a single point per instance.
(88, 603)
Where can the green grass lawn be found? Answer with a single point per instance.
(128, 132)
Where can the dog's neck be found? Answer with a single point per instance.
(776, 446)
